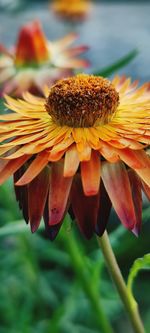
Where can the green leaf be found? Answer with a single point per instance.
(140, 263)
(106, 71)
(13, 228)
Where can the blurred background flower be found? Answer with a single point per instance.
(73, 10)
(35, 61)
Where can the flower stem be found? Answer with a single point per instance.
(127, 298)
(84, 276)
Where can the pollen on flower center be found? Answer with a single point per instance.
(82, 101)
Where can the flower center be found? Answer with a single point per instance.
(82, 101)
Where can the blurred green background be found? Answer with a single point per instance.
(42, 283)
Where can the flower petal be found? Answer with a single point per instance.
(37, 195)
(54, 157)
(71, 161)
(66, 40)
(116, 182)
(90, 174)
(84, 208)
(59, 193)
(109, 153)
(51, 230)
(146, 190)
(104, 211)
(137, 200)
(136, 159)
(11, 167)
(84, 151)
(34, 169)
(144, 174)
(21, 194)
(76, 50)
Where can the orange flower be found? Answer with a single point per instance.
(81, 148)
(74, 10)
(36, 61)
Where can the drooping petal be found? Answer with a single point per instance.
(90, 174)
(37, 195)
(84, 208)
(84, 151)
(3, 164)
(136, 159)
(51, 230)
(34, 169)
(109, 153)
(146, 190)
(144, 174)
(22, 194)
(54, 157)
(59, 192)
(128, 143)
(137, 200)
(103, 211)
(116, 182)
(71, 162)
(11, 167)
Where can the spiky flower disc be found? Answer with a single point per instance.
(82, 146)
(82, 101)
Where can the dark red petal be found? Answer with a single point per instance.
(51, 231)
(37, 195)
(104, 211)
(21, 194)
(146, 190)
(84, 208)
(116, 182)
(59, 193)
(137, 200)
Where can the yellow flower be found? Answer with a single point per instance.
(75, 10)
(35, 61)
(82, 147)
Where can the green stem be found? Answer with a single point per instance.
(127, 299)
(83, 274)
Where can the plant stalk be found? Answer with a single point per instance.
(127, 298)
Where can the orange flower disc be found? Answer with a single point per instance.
(82, 101)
